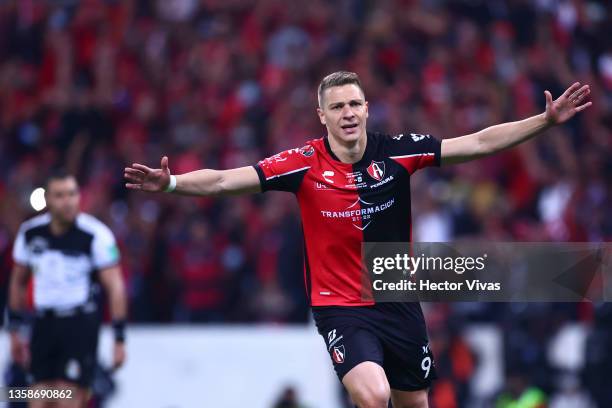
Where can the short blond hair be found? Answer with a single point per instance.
(337, 78)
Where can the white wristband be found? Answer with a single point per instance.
(172, 185)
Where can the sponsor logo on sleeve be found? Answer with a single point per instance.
(417, 137)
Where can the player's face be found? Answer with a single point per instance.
(344, 112)
(62, 198)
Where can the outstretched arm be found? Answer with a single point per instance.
(499, 137)
(204, 182)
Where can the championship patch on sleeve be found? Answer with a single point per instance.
(113, 253)
(307, 150)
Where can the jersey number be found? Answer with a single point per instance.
(426, 365)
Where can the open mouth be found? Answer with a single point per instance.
(350, 126)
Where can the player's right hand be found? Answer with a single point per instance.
(141, 177)
(20, 351)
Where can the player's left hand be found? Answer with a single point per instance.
(567, 105)
(118, 355)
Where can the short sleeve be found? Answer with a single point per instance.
(105, 252)
(414, 151)
(284, 171)
(20, 248)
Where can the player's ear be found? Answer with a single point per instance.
(366, 109)
(321, 116)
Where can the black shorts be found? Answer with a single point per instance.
(392, 335)
(65, 348)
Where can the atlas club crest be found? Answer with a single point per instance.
(338, 354)
(376, 170)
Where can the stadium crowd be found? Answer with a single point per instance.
(94, 85)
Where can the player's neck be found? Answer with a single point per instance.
(350, 152)
(59, 227)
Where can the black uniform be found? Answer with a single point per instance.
(65, 333)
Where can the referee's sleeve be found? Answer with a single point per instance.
(105, 252)
(20, 250)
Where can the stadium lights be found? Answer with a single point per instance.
(37, 199)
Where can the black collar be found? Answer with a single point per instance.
(366, 154)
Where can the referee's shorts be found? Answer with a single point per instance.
(64, 346)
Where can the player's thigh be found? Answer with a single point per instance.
(42, 403)
(347, 341)
(409, 365)
(409, 399)
(357, 356)
(367, 385)
(79, 396)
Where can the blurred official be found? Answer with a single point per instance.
(63, 250)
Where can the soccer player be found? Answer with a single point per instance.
(352, 187)
(62, 250)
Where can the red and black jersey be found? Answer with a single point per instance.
(343, 205)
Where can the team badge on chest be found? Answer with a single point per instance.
(376, 170)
